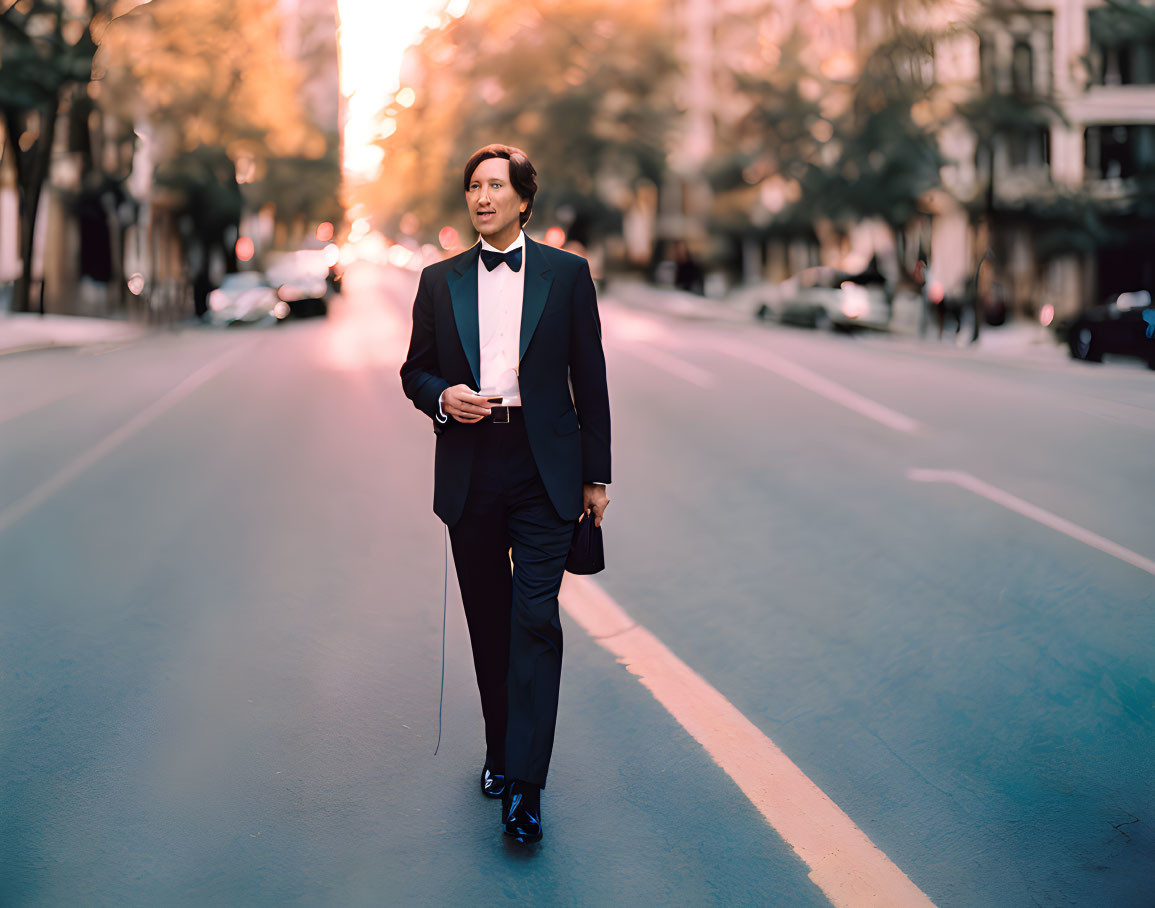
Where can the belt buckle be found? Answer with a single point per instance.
(500, 414)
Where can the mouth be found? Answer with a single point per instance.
(486, 214)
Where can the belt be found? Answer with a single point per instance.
(501, 415)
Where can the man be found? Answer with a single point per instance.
(501, 334)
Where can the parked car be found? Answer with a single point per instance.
(1124, 325)
(243, 298)
(302, 281)
(824, 298)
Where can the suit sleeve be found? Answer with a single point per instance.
(421, 373)
(588, 379)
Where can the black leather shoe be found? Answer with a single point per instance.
(492, 783)
(521, 812)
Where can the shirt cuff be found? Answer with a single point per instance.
(441, 417)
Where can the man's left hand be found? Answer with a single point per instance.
(595, 499)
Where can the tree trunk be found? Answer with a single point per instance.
(989, 253)
(32, 172)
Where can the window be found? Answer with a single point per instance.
(1029, 148)
(1023, 69)
(1117, 152)
(1122, 47)
(988, 64)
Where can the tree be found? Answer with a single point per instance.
(209, 78)
(301, 188)
(782, 130)
(581, 85)
(830, 140)
(887, 161)
(46, 52)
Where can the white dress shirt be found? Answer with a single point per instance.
(499, 296)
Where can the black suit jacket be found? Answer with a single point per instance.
(561, 348)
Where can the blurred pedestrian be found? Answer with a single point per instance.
(688, 275)
(501, 334)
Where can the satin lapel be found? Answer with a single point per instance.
(463, 292)
(538, 277)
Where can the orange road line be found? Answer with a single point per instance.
(848, 868)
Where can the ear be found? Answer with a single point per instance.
(524, 205)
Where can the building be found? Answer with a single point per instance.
(1044, 113)
(1081, 170)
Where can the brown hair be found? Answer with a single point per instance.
(522, 176)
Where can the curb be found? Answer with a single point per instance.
(26, 332)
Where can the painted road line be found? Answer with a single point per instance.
(24, 506)
(1034, 512)
(848, 868)
(26, 408)
(819, 384)
(675, 365)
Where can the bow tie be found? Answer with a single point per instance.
(492, 259)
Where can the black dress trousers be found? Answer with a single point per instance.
(512, 612)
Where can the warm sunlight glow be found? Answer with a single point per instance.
(374, 35)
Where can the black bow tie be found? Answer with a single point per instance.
(492, 259)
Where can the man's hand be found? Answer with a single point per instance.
(595, 499)
(460, 402)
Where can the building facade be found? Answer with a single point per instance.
(1044, 113)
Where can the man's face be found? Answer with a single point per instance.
(494, 205)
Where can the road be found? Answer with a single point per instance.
(926, 580)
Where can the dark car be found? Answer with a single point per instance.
(1124, 325)
(303, 281)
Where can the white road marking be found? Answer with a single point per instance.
(1034, 512)
(848, 868)
(24, 409)
(819, 384)
(675, 365)
(104, 349)
(37, 496)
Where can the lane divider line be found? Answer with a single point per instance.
(27, 409)
(1034, 512)
(812, 381)
(37, 496)
(849, 869)
(675, 365)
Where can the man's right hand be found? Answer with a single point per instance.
(463, 404)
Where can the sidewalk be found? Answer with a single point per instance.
(22, 331)
(1015, 340)
(1019, 340)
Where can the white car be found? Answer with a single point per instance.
(245, 297)
(822, 297)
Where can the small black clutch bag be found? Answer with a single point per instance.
(587, 555)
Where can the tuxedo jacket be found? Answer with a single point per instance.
(560, 352)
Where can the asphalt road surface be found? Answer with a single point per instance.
(926, 579)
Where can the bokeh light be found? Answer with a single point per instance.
(448, 238)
